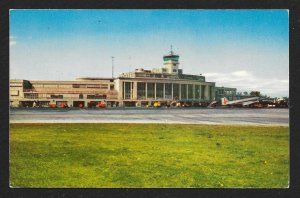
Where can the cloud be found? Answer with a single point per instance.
(212, 74)
(241, 74)
(12, 41)
(246, 81)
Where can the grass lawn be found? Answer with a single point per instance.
(148, 155)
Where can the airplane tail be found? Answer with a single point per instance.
(224, 101)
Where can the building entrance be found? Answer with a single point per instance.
(93, 104)
(26, 103)
(78, 104)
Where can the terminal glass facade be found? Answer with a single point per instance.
(176, 91)
(127, 90)
(203, 91)
(190, 92)
(183, 91)
(150, 90)
(159, 90)
(210, 92)
(141, 90)
(197, 91)
(168, 91)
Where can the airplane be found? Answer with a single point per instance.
(243, 102)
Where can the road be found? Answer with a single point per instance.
(242, 116)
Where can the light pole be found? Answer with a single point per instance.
(112, 66)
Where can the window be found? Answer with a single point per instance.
(141, 90)
(56, 96)
(103, 86)
(79, 86)
(176, 91)
(159, 90)
(16, 85)
(80, 96)
(150, 90)
(112, 87)
(98, 86)
(31, 95)
(203, 91)
(44, 103)
(96, 96)
(90, 97)
(168, 91)
(197, 91)
(127, 87)
(93, 86)
(64, 86)
(183, 91)
(190, 92)
(174, 70)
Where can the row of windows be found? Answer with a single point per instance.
(94, 86)
(96, 96)
(31, 95)
(16, 84)
(36, 96)
(56, 96)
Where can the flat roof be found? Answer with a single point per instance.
(94, 78)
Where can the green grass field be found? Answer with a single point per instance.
(148, 155)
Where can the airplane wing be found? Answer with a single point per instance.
(248, 103)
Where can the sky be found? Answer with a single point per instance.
(245, 49)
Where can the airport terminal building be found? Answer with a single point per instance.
(167, 85)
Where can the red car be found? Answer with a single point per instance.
(101, 105)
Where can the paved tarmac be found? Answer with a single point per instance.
(243, 116)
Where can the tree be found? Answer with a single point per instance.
(255, 93)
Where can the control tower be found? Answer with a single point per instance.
(171, 63)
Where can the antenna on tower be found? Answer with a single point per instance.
(171, 49)
(112, 66)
